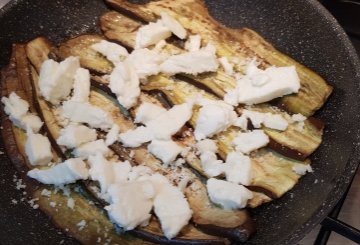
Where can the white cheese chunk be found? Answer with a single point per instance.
(145, 62)
(91, 148)
(194, 62)
(193, 43)
(165, 150)
(56, 79)
(63, 173)
(112, 51)
(107, 172)
(147, 112)
(80, 112)
(276, 122)
(206, 145)
(301, 169)
(238, 168)
(131, 203)
(38, 148)
(298, 117)
(139, 172)
(259, 86)
(173, 25)
(211, 165)
(28, 121)
(228, 68)
(256, 118)
(172, 209)
(112, 135)
(213, 118)
(241, 122)
(14, 106)
(81, 85)
(124, 82)
(135, 137)
(250, 141)
(150, 34)
(74, 135)
(228, 195)
(170, 122)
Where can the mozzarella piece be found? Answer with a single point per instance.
(112, 51)
(135, 137)
(193, 43)
(74, 135)
(63, 173)
(124, 82)
(276, 122)
(131, 203)
(81, 85)
(301, 169)
(112, 135)
(211, 165)
(170, 122)
(38, 148)
(56, 79)
(151, 34)
(165, 150)
(259, 86)
(206, 145)
(145, 62)
(195, 62)
(172, 209)
(228, 195)
(250, 141)
(80, 112)
(147, 112)
(173, 25)
(238, 168)
(107, 172)
(228, 68)
(91, 148)
(213, 118)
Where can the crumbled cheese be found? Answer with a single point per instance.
(213, 118)
(206, 145)
(173, 25)
(17, 110)
(210, 164)
(241, 122)
(150, 34)
(276, 122)
(81, 225)
(81, 85)
(165, 150)
(238, 168)
(136, 137)
(170, 122)
(124, 82)
(193, 43)
(107, 172)
(259, 86)
(112, 51)
(301, 169)
(131, 203)
(38, 148)
(46, 193)
(63, 173)
(147, 112)
(112, 135)
(256, 118)
(74, 135)
(298, 117)
(228, 68)
(56, 79)
(250, 141)
(194, 62)
(90, 148)
(228, 195)
(71, 203)
(139, 171)
(80, 112)
(52, 204)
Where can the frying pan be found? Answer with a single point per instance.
(303, 29)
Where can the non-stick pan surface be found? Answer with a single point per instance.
(303, 29)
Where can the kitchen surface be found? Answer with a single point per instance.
(346, 12)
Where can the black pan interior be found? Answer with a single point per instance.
(303, 29)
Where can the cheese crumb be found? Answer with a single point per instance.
(75, 135)
(38, 148)
(81, 85)
(301, 169)
(150, 34)
(250, 141)
(193, 43)
(112, 51)
(165, 150)
(173, 25)
(91, 148)
(237, 168)
(112, 135)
